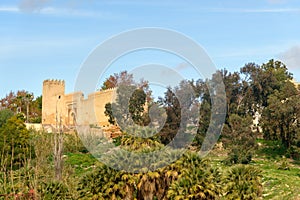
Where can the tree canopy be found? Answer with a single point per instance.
(14, 142)
(24, 102)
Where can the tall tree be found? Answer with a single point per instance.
(24, 102)
(234, 91)
(129, 107)
(109, 113)
(280, 119)
(238, 137)
(116, 79)
(131, 102)
(202, 92)
(136, 105)
(264, 80)
(14, 142)
(5, 114)
(173, 111)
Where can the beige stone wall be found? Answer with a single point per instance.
(297, 84)
(37, 127)
(91, 110)
(71, 109)
(53, 93)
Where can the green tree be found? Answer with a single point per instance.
(271, 94)
(4, 116)
(23, 102)
(203, 95)
(280, 119)
(263, 81)
(130, 104)
(36, 110)
(212, 97)
(182, 113)
(235, 92)
(137, 103)
(238, 137)
(14, 142)
(109, 113)
(129, 108)
(173, 110)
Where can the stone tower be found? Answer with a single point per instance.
(69, 110)
(53, 100)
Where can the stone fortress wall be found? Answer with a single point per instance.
(71, 109)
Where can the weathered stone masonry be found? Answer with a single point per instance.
(71, 109)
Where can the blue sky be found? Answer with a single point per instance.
(50, 39)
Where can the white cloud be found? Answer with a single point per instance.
(45, 7)
(276, 1)
(32, 5)
(73, 12)
(241, 10)
(9, 9)
(291, 57)
(278, 10)
(66, 12)
(153, 3)
(182, 66)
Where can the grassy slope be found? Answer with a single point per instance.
(278, 184)
(82, 163)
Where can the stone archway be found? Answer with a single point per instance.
(72, 117)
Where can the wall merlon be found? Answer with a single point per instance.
(54, 82)
(74, 104)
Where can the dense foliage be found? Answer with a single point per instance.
(5, 114)
(14, 143)
(25, 103)
(249, 155)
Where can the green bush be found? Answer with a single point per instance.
(4, 116)
(54, 190)
(284, 165)
(238, 156)
(73, 144)
(243, 182)
(103, 183)
(15, 143)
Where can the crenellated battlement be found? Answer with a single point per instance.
(109, 92)
(109, 89)
(54, 82)
(73, 107)
(53, 95)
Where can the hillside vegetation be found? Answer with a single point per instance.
(249, 161)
